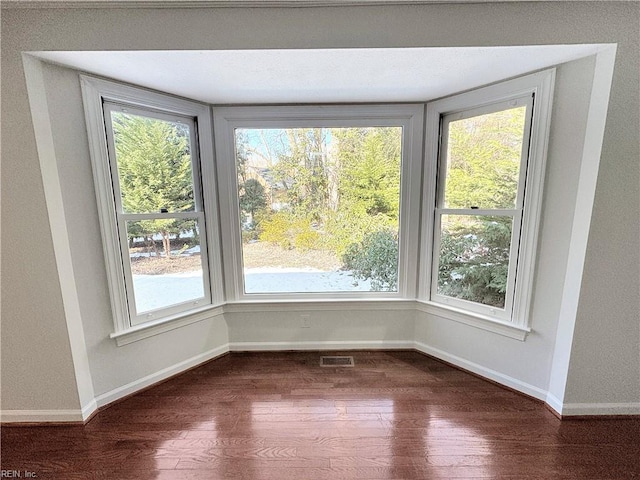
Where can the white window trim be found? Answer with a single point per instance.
(515, 213)
(220, 200)
(409, 116)
(122, 217)
(541, 85)
(95, 92)
(504, 328)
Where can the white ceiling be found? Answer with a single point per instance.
(320, 75)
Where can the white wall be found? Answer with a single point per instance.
(33, 311)
(37, 366)
(328, 329)
(604, 370)
(111, 366)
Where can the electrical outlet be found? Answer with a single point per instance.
(304, 321)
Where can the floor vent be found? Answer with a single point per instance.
(335, 361)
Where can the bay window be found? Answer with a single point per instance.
(320, 203)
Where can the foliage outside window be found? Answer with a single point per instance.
(157, 206)
(319, 208)
(483, 162)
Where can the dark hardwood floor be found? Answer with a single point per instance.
(394, 415)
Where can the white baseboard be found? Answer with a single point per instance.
(587, 409)
(89, 409)
(493, 375)
(574, 409)
(554, 402)
(41, 416)
(323, 345)
(137, 385)
(80, 415)
(49, 416)
(563, 409)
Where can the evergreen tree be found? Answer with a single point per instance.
(154, 169)
(483, 171)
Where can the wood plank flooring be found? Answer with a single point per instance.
(394, 415)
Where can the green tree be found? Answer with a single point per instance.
(301, 171)
(251, 191)
(370, 169)
(474, 260)
(484, 160)
(484, 156)
(252, 197)
(154, 169)
(369, 161)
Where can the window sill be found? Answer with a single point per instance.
(479, 321)
(149, 329)
(247, 306)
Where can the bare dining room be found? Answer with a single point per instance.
(320, 239)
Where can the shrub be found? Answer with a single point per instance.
(249, 236)
(375, 258)
(474, 262)
(289, 231)
(307, 239)
(350, 226)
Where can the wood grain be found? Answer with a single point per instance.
(394, 415)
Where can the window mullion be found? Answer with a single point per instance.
(126, 266)
(437, 240)
(526, 148)
(160, 216)
(504, 212)
(513, 265)
(111, 158)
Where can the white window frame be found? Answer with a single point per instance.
(96, 94)
(122, 217)
(514, 213)
(538, 87)
(418, 198)
(408, 116)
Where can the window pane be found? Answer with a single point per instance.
(154, 164)
(483, 160)
(165, 262)
(319, 208)
(474, 258)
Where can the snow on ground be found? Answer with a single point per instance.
(176, 253)
(299, 280)
(158, 291)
